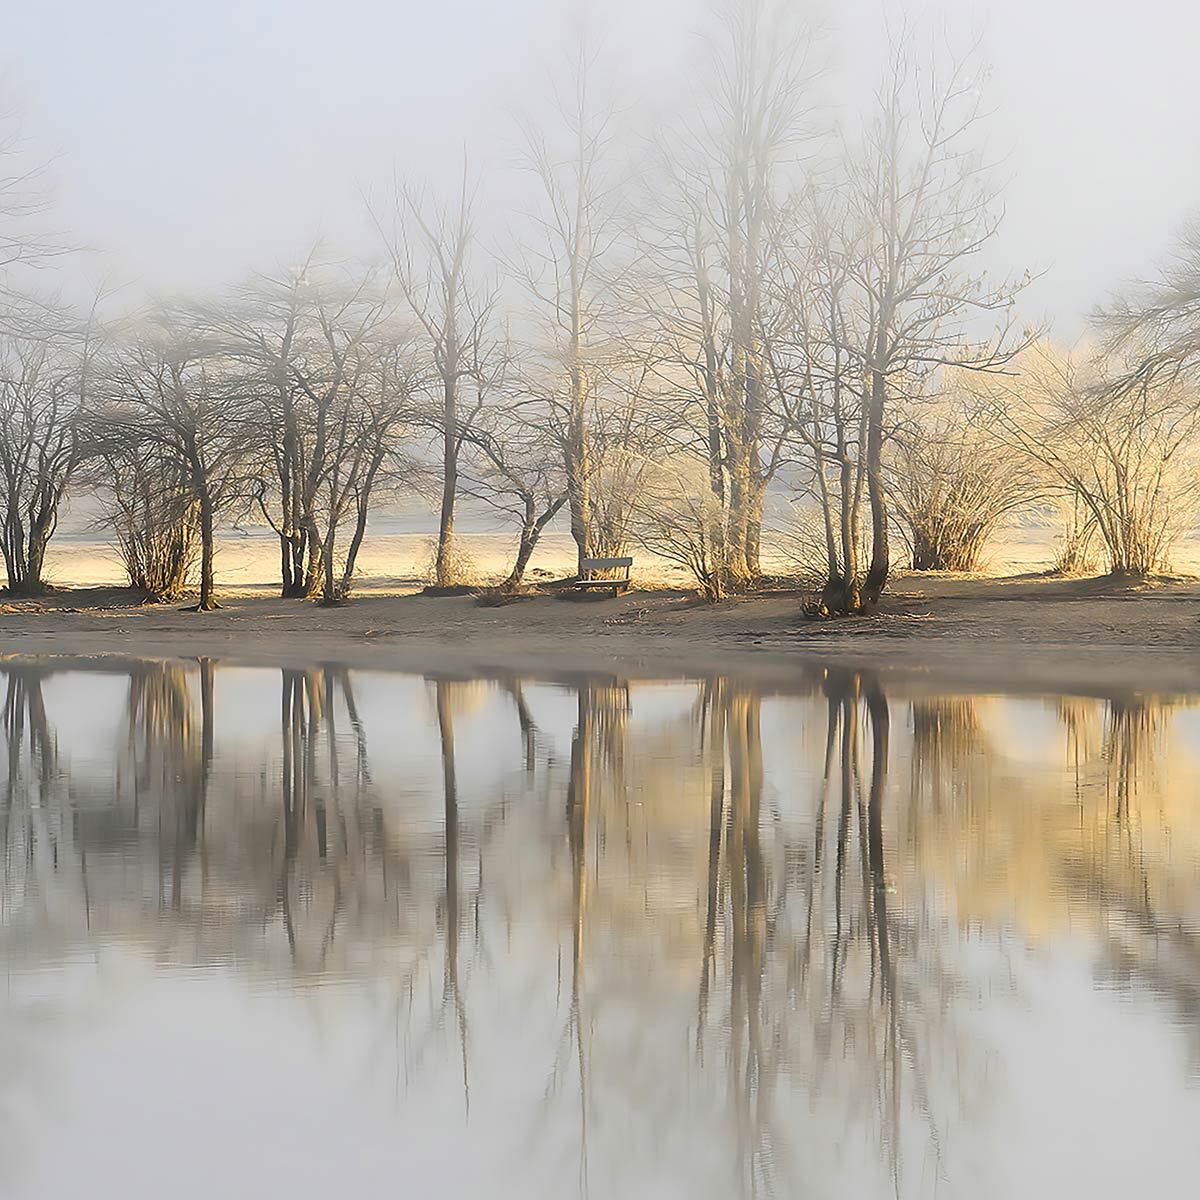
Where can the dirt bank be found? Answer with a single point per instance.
(1022, 631)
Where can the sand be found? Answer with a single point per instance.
(1022, 631)
(394, 561)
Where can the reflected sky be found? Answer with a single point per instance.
(324, 931)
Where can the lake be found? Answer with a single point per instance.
(322, 931)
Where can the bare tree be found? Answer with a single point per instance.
(513, 471)
(921, 190)
(1155, 328)
(1076, 550)
(816, 380)
(432, 249)
(263, 327)
(953, 479)
(563, 264)
(1121, 443)
(41, 394)
(384, 407)
(153, 513)
(357, 434)
(301, 344)
(888, 296)
(166, 387)
(764, 95)
(679, 519)
(712, 247)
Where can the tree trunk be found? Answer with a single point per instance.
(285, 565)
(207, 602)
(35, 560)
(531, 531)
(739, 498)
(578, 448)
(877, 573)
(314, 567)
(754, 531)
(14, 549)
(831, 554)
(579, 491)
(10, 566)
(356, 540)
(525, 547)
(292, 570)
(329, 581)
(841, 594)
(443, 566)
(298, 535)
(25, 558)
(299, 547)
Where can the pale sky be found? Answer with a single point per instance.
(201, 140)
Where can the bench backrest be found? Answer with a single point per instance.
(605, 564)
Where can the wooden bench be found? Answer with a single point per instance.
(587, 579)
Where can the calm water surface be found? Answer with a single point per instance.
(327, 932)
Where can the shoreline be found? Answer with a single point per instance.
(1020, 633)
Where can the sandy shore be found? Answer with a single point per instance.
(1017, 632)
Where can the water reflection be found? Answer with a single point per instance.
(617, 937)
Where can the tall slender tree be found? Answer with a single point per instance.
(433, 253)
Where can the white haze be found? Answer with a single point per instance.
(197, 142)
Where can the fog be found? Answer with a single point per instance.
(709, 278)
(197, 142)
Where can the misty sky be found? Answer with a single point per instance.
(200, 140)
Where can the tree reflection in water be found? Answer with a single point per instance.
(746, 931)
